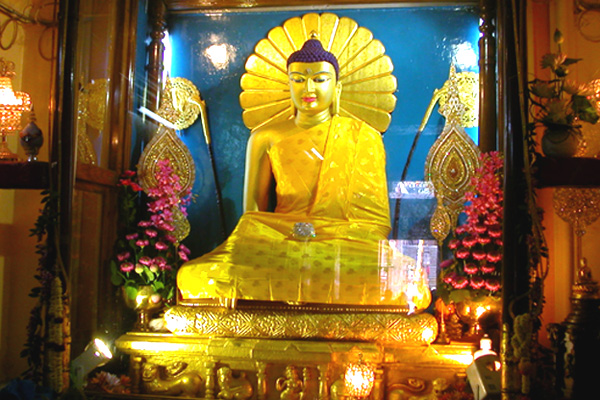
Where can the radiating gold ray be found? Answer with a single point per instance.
(329, 23)
(258, 119)
(371, 52)
(280, 41)
(382, 65)
(255, 116)
(345, 29)
(294, 32)
(251, 82)
(374, 84)
(367, 84)
(361, 39)
(378, 119)
(266, 49)
(249, 100)
(266, 69)
(311, 23)
(385, 102)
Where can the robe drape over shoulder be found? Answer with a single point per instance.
(332, 177)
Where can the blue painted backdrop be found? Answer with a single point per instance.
(421, 41)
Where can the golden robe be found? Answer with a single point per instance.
(331, 176)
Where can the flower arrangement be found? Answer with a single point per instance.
(148, 253)
(558, 105)
(474, 269)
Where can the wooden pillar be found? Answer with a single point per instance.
(515, 268)
(487, 77)
(157, 12)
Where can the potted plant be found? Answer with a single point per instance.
(148, 253)
(559, 105)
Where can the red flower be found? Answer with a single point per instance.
(480, 228)
(495, 231)
(462, 253)
(487, 268)
(470, 268)
(446, 263)
(460, 282)
(123, 256)
(469, 241)
(494, 256)
(453, 244)
(449, 278)
(479, 254)
(483, 240)
(477, 282)
(492, 284)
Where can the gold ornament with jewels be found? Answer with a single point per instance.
(451, 162)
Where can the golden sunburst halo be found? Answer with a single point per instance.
(368, 85)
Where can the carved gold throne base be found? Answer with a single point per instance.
(289, 353)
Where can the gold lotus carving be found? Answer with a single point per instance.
(365, 71)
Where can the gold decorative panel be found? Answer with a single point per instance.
(273, 324)
(368, 85)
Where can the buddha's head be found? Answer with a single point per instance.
(313, 78)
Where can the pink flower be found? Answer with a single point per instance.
(161, 262)
(151, 233)
(127, 267)
(142, 242)
(470, 268)
(183, 248)
(145, 260)
(161, 246)
(144, 224)
(123, 256)
(131, 236)
(446, 263)
(170, 238)
(183, 256)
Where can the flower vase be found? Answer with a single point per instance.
(560, 143)
(470, 312)
(145, 303)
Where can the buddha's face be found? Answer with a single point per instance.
(312, 86)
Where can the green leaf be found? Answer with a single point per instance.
(131, 292)
(569, 61)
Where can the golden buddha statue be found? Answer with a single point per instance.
(326, 240)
